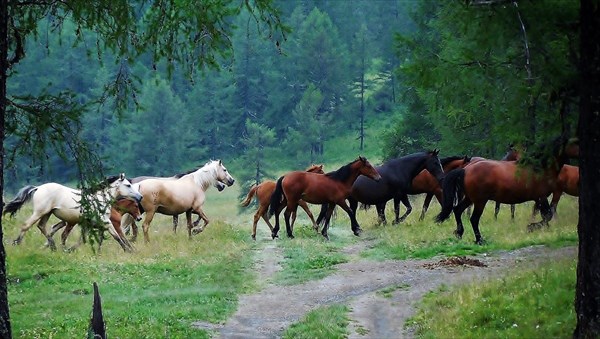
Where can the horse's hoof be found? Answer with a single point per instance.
(326, 236)
(479, 242)
(196, 231)
(254, 237)
(291, 236)
(357, 232)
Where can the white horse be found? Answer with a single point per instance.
(64, 203)
(176, 196)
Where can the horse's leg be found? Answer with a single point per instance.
(353, 222)
(188, 219)
(381, 213)
(304, 206)
(458, 211)
(426, 203)
(286, 215)
(199, 229)
(261, 211)
(115, 234)
(175, 223)
(555, 199)
(496, 210)
(35, 217)
(406, 202)
(327, 219)
(546, 213)
(475, 217)
(42, 227)
(146, 225)
(65, 234)
(55, 228)
(353, 206)
(512, 212)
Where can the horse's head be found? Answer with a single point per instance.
(219, 186)
(316, 169)
(124, 189)
(126, 205)
(222, 174)
(512, 154)
(433, 165)
(367, 169)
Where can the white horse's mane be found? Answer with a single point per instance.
(207, 174)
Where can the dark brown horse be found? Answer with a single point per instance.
(513, 154)
(396, 178)
(263, 192)
(332, 188)
(424, 182)
(504, 182)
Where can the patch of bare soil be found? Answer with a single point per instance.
(268, 312)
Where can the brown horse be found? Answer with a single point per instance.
(332, 188)
(513, 154)
(425, 182)
(263, 192)
(504, 182)
(568, 182)
(117, 210)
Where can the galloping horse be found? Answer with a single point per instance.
(511, 155)
(396, 178)
(186, 194)
(117, 210)
(332, 188)
(424, 182)
(63, 202)
(263, 192)
(504, 182)
(218, 185)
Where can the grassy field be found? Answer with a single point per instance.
(167, 284)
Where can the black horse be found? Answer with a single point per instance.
(396, 178)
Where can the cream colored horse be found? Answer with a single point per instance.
(183, 195)
(63, 202)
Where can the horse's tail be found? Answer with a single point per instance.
(322, 213)
(453, 188)
(250, 195)
(21, 198)
(276, 197)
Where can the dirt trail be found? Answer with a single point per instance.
(268, 312)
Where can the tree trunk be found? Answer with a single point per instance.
(587, 294)
(5, 330)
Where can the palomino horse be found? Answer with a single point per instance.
(424, 182)
(332, 188)
(218, 185)
(183, 195)
(504, 182)
(511, 155)
(263, 192)
(63, 202)
(117, 210)
(396, 178)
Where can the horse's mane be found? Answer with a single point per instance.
(202, 179)
(448, 160)
(342, 173)
(177, 176)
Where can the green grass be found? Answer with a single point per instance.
(158, 291)
(326, 322)
(530, 304)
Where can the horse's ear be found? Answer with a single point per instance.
(220, 162)
(436, 151)
(122, 176)
(361, 158)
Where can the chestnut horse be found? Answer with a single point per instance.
(63, 202)
(424, 182)
(504, 182)
(263, 192)
(332, 188)
(396, 178)
(511, 155)
(117, 210)
(568, 182)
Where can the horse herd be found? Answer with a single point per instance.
(457, 182)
